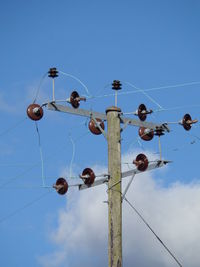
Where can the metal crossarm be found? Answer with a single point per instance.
(87, 113)
(80, 112)
(152, 165)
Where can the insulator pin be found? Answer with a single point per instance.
(75, 99)
(53, 73)
(93, 127)
(34, 112)
(61, 186)
(116, 85)
(142, 112)
(141, 162)
(146, 134)
(187, 122)
(88, 176)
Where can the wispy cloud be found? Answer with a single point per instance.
(174, 213)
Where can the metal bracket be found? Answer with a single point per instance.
(99, 126)
(127, 187)
(133, 172)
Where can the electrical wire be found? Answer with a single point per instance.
(15, 212)
(13, 127)
(149, 227)
(41, 154)
(77, 79)
(151, 89)
(73, 155)
(144, 93)
(39, 86)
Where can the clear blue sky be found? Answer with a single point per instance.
(147, 43)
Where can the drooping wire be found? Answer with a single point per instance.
(15, 212)
(73, 155)
(149, 227)
(77, 79)
(41, 154)
(12, 127)
(39, 86)
(144, 93)
(151, 89)
(177, 108)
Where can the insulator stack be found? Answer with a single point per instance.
(35, 112)
(159, 132)
(187, 122)
(141, 162)
(61, 186)
(116, 85)
(94, 128)
(146, 134)
(142, 112)
(88, 176)
(75, 99)
(53, 73)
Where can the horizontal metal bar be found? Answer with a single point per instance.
(94, 114)
(145, 124)
(97, 182)
(79, 111)
(153, 165)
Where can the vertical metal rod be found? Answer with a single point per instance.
(53, 90)
(114, 188)
(160, 150)
(115, 98)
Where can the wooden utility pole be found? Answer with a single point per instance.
(113, 117)
(114, 188)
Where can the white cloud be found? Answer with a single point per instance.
(173, 212)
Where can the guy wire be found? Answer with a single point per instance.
(158, 238)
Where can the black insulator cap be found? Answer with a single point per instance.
(53, 73)
(116, 85)
(159, 132)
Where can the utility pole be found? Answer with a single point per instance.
(113, 179)
(114, 188)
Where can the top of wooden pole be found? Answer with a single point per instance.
(113, 108)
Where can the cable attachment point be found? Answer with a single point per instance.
(159, 131)
(95, 127)
(35, 112)
(88, 176)
(75, 99)
(146, 134)
(53, 73)
(61, 186)
(187, 122)
(142, 112)
(116, 85)
(141, 162)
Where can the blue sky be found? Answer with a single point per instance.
(149, 44)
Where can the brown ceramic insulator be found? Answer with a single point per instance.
(34, 112)
(90, 176)
(186, 118)
(146, 134)
(61, 186)
(94, 128)
(142, 112)
(141, 162)
(74, 99)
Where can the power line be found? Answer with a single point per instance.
(149, 227)
(27, 205)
